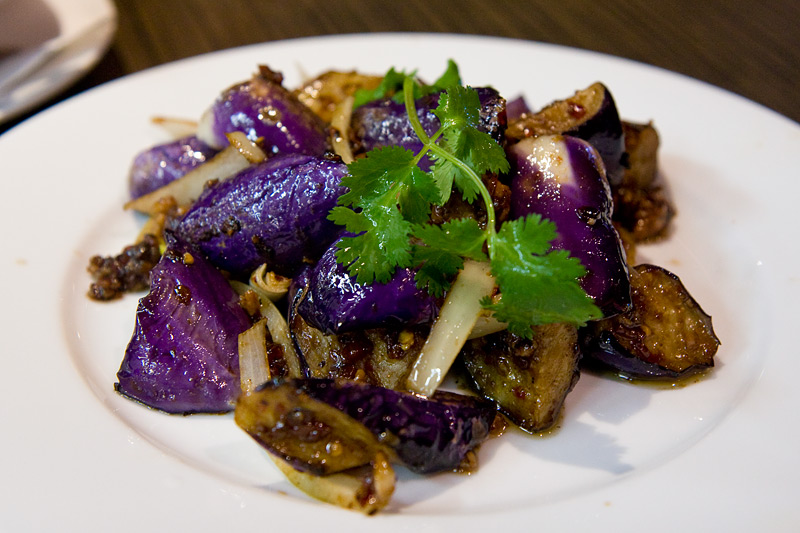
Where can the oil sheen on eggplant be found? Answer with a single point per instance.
(155, 167)
(382, 356)
(324, 93)
(335, 302)
(562, 179)
(273, 213)
(268, 114)
(642, 207)
(666, 335)
(183, 355)
(307, 433)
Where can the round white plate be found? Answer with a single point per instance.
(720, 453)
(84, 29)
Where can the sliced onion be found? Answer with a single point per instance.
(367, 489)
(176, 127)
(457, 317)
(274, 286)
(250, 150)
(340, 126)
(253, 363)
(486, 325)
(154, 225)
(277, 326)
(187, 189)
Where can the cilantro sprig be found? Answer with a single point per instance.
(387, 209)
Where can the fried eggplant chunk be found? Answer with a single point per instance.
(666, 335)
(529, 379)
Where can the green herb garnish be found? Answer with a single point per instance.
(392, 86)
(388, 205)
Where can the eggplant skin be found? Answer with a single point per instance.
(562, 179)
(164, 163)
(666, 335)
(268, 114)
(183, 356)
(428, 435)
(529, 379)
(335, 302)
(274, 212)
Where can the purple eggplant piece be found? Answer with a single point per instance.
(385, 122)
(335, 303)
(183, 355)
(590, 114)
(517, 108)
(274, 212)
(263, 109)
(154, 168)
(562, 179)
(642, 204)
(428, 434)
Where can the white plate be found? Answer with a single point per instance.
(84, 29)
(721, 453)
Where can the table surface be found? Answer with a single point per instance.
(750, 48)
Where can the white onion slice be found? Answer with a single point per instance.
(486, 325)
(277, 326)
(346, 489)
(274, 286)
(253, 363)
(240, 154)
(187, 189)
(340, 125)
(250, 150)
(457, 317)
(176, 127)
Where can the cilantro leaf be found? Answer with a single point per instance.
(392, 82)
(450, 78)
(443, 250)
(536, 286)
(370, 210)
(368, 178)
(459, 107)
(459, 114)
(483, 153)
(444, 175)
(416, 194)
(379, 246)
(387, 192)
(392, 85)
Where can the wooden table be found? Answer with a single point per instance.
(750, 48)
